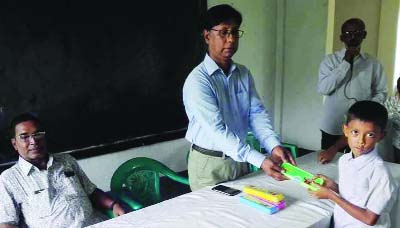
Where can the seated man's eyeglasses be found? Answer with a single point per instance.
(225, 32)
(36, 136)
(353, 33)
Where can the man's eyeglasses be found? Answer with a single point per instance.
(225, 33)
(36, 136)
(353, 33)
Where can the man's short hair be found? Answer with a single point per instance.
(221, 14)
(23, 117)
(368, 111)
(353, 21)
(398, 85)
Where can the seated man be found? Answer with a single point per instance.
(47, 190)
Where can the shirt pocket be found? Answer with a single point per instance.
(38, 205)
(362, 85)
(73, 188)
(243, 103)
(76, 197)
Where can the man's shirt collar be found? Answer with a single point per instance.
(27, 167)
(211, 66)
(343, 52)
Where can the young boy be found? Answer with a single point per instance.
(366, 189)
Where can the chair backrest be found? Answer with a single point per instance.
(140, 178)
(252, 141)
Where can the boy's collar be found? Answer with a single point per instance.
(362, 160)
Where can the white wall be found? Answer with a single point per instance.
(99, 169)
(304, 48)
(387, 47)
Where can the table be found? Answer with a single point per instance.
(206, 208)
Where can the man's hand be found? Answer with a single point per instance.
(272, 169)
(118, 210)
(5, 225)
(272, 166)
(279, 155)
(326, 156)
(102, 200)
(351, 53)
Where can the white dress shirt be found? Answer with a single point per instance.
(368, 82)
(366, 182)
(222, 108)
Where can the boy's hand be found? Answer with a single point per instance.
(321, 193)
(328, 183)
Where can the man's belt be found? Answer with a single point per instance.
(213, 153)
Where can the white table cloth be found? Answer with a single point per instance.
(206, 208)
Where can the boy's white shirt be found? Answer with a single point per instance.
(366, 182)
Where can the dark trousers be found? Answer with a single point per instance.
(327, 140)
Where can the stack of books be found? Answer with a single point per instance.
(262, 199)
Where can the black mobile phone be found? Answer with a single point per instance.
(226, 190)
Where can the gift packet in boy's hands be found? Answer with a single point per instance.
(305, 178)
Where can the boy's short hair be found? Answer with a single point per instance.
(221, 14)
(23, 117)
(368, 111)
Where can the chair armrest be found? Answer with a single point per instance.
(108, 212)
(125, 200)
(174, 176)
(130, 202)
(292, 148)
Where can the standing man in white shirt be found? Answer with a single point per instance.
(345, 77)
(222, 104)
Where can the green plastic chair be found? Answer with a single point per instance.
(139, 178)
(254, 144)
(292, 148)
